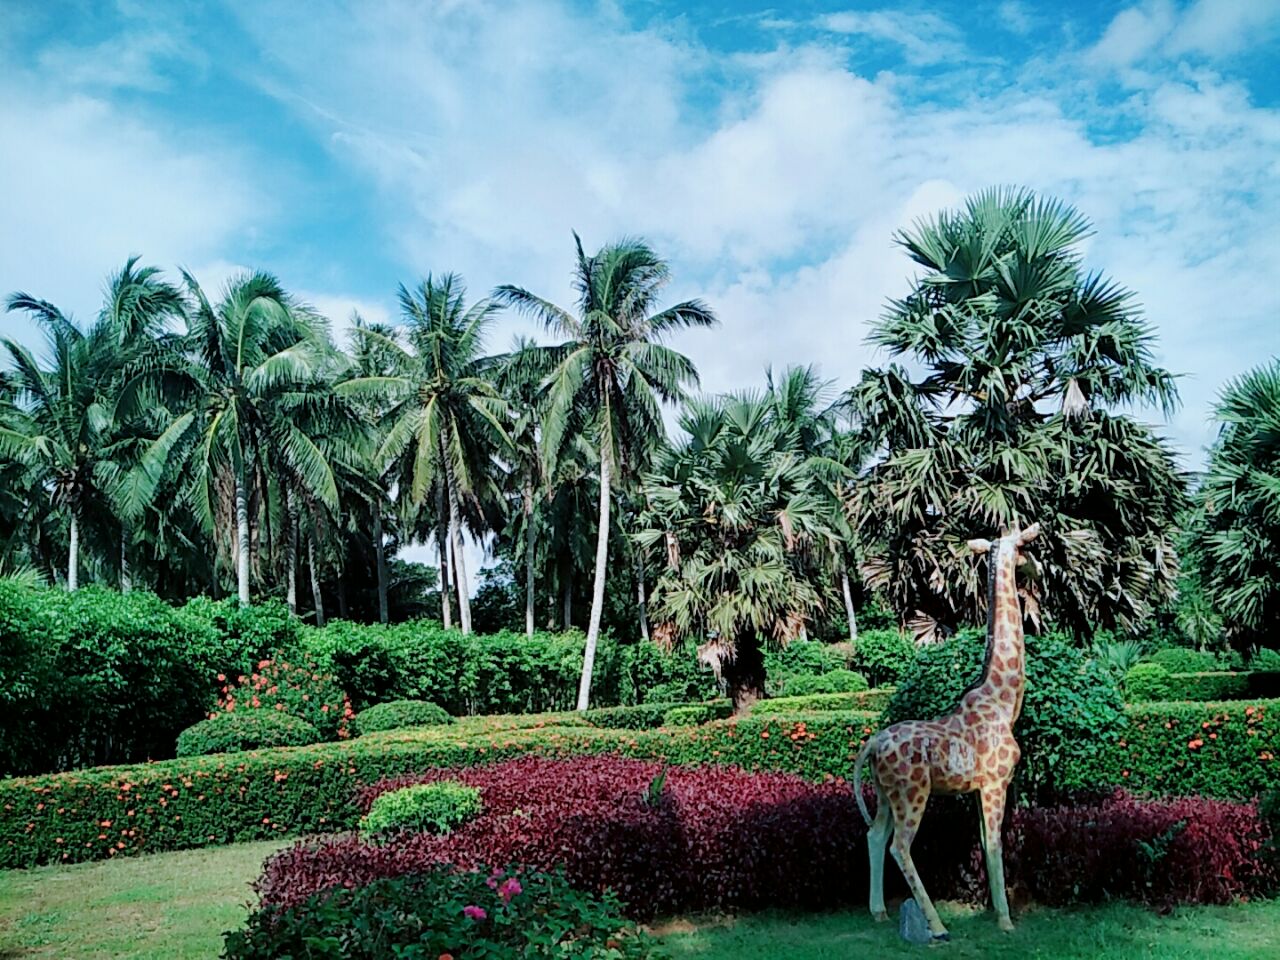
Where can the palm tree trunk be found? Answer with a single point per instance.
(242, 540)
(380, 552)
(566, 597)
(744, 675)
(528, 563)
(291, 574)
(342, 597)
(848, 606)
(597, 592)
(459, 567)
(316, 599)
(443, 543)
(642, 597)
(73, 555)
(126, 582)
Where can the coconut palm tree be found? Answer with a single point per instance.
(741, 517)
(1237, 528)
(443, 418)
(608, 376)
(253, 381)
(1027, 358)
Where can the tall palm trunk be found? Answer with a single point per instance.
(291, 512)
(528, 562)
(242, 540)
(566, 596)
(597, 592)
(379, 549)
(459, 566)
(641, 597)
(126, 581)
(73, 555)
(443, 543)
(848, 605)
(316, 598)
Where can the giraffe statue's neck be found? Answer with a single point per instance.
(1004, 676)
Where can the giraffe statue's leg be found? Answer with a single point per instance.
(877, 840)
(906, 817)
(992, 817)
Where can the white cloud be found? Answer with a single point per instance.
(1014, 17)
(924, 37)
(1218, 28)
(1134, 33)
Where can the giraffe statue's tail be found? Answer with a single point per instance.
(857, 778)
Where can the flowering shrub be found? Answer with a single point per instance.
(246, 730)
(425, 807)
(475, 915)
(398, 714)
(297, 689)
(723, 839)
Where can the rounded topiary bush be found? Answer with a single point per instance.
(1072, 710)
(425, 808)
(1183, 660)
(248, 730)
(833, 681)
(400, 713)
(1147, 681)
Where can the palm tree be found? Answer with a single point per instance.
(608, 376)
(1237, 530)
(1027, 357)
(254, 381)
(443, 418)
(740, 516)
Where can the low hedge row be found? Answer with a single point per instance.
(1224, 685)
(1220, 750)
(875, 700)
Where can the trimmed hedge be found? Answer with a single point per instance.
(1229, 749)
(423, 808)
(399, 713)
(696, 714)
(644, 716)
(1150, 681)
(203, 801)
(835, 681)
(875, 700)
(246, 730)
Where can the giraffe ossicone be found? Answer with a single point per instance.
(969, 750)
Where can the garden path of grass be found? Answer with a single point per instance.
(177, 905)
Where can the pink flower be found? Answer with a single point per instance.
(473, 912)
(511, 888)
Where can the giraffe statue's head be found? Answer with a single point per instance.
(1012, 539)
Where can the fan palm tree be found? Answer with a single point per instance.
(443, 418)
(740, 516)
(1237, 531)
(1027, 357)
(609, 375)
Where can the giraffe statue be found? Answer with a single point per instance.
(971, 749)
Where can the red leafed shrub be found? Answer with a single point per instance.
(297, 689)
(1161, 852)
(718, 838)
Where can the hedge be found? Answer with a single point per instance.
(864, 700)
(246, 730)
(1225, 750)
(1228, 749)
(1225, 685)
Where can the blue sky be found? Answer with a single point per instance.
(768, 151)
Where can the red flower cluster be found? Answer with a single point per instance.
(300, 690)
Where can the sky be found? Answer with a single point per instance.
(768, 152)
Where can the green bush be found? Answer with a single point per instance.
(799, 657)
(298, 689)
(652, 675)
(425, 808)
(1265, 660)
(835, 681)
(882, 656)
(97, 676)
(399, 713)
(1184, 660)
(1071, 709)
(246, 730)
(1148, 681)
(643, 716)
(243, 635)
(696, 714)
(874, 700)
(443, 913)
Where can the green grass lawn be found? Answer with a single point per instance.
(176, 905)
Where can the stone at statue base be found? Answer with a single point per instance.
(912, 926)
